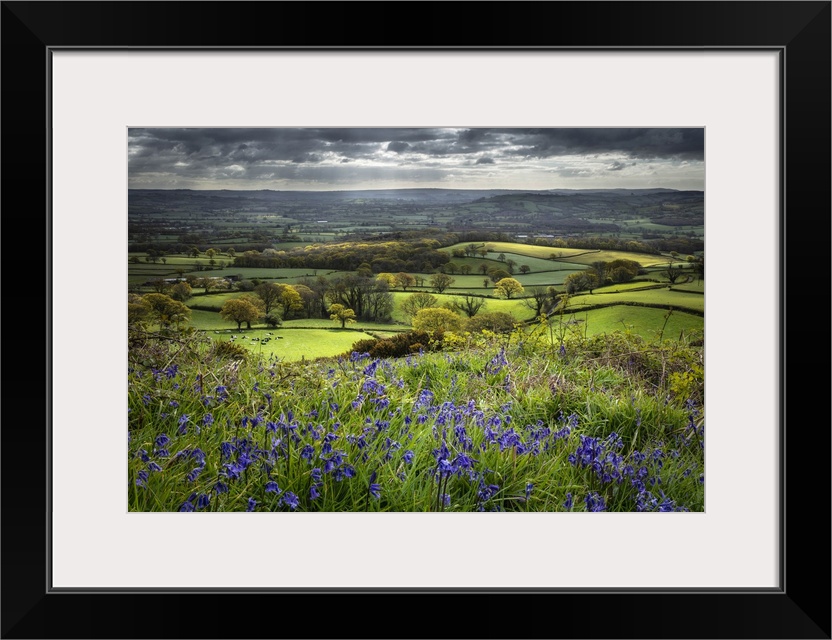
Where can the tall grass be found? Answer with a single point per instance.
(514, 423)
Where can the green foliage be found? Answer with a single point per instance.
(401, 344)
(433, 320)
(508, 288)
(342, 314)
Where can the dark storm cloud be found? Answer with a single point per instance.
(398, 146)
(636, 143)
(216, 154)
(618, 166)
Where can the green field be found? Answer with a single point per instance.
(295, 344)
(664, 297)
(643, 321)
(534, 250)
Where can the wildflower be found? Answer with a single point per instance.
(252, 503)
(313, 492)
(271, 487)
(208, 420)
(203, 500)
(529, 487)
(186, 507)
(595, 502)
(568, 504)
(291, 500)
(183, 421)
(408, 456)
(141, 480)
(153, 466)
(220, 487)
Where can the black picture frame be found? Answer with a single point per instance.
(800, 608)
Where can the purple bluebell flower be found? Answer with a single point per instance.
(595, 502)
(529, 487)
(252, 504)
(203, 500)
(408, 456)
(141, 480)
(291, 500)
(568, 503)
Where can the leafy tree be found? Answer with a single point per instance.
(415, 302)
(441, 281)
(273, 320)
(389, 278)
(181, 291)
(451, 268)
(507, 288)
(159, 285)
(672, 272)
(524, 268)
(342, 314)
(467, 304)
(470, 250)
(599, 270)
(433, 320)
(404, 280)
(699, 268)
(231, 252)
(165, 310)
(207, 283)
(308, 298)
(539, 301)
(496, 321)
(498, 274)
(137, 311)
(269, 293)
(622, 270)
(465, 269)
(194, 252)
(483, 268)
(242, 309)
(458, 252)
(511, 264)
(501, 257)
(580, 281)
(289, 300)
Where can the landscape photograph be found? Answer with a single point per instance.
(457, 319)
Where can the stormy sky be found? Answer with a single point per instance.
(384, 158)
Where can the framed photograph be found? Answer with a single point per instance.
(118, 112)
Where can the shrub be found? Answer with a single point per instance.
(401, 344)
